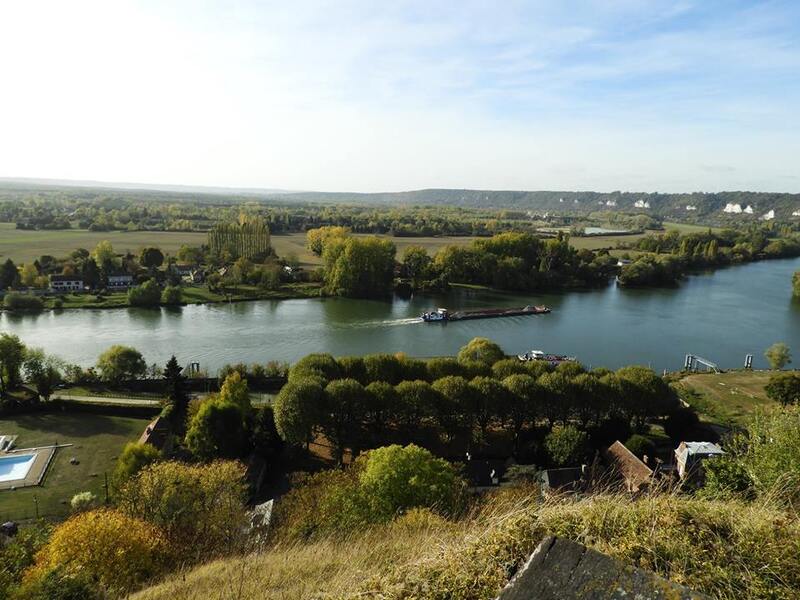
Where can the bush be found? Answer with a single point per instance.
(118, 551)
(397, 478)
(481, 350)
(119, 363)
(58, 303)
(566, 446)
(147, 294)
(641, 446)
(172, 295)
(216, 431)
(784, 388)
(134, 458)
(681, 423)
(726, 477)
(200, 508)
(17, 301)
(83, 501)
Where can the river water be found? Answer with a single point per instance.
(721, 316)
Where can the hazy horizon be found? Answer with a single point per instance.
(356, 97)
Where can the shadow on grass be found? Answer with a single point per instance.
(70, 425)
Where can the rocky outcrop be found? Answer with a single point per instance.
(560, 569)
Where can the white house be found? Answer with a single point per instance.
(689, 457)
(66, 283)
(120, 282)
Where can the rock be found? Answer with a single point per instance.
(560, 569)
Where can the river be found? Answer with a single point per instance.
(721, 315)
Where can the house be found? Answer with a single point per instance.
(689, 457)
(623, 261)
(66, 283)
(120, 282)
(569, 479)
(485, 474)
(183, 269)
(157, 434)
(624, 465)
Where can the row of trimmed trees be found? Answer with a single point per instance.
(354, 401)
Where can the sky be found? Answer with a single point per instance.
(365, 95)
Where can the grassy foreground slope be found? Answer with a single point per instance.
(726, 549)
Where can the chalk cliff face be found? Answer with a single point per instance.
(560, 569)
(732, 208)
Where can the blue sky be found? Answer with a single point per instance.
(365, 96)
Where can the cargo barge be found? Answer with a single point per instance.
(443, 315)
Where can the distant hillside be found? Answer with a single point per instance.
(690, 206)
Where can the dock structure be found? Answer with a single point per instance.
(692, 362)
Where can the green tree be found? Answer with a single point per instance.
(795, 284)
(444, 367)
(216, 431)
(12, 356)
(456, 406)
(147, 294)
(299, 409)
(383, 367)
(784, 388)
(641, 446)
(119, 363)
(778, 355)
(264, 436)
(9, 276)
(396, 479)
(359, 267)
(234, 390)
(489, 397)
(134, 458)
(43, 371)
(317, 238)
(417, 265)
(644, 394)
(104, 253)
(151, 258)
(323, 366)
(507, 367)
(345, 407)
(383, 405)
(172, 295)
(522, 404)
(566, 446)
(481, 350)
(352, 367)
(177, 394)
(417, 400)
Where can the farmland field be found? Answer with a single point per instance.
(21, 245)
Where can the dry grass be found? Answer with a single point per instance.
(725, 549)
(730, 397)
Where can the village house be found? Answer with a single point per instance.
(157, 434)
(120, 282)
(66, 283)
(689, 457)
(627, 468)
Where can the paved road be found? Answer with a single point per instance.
(108, 400)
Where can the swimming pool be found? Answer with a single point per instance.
(15, 466)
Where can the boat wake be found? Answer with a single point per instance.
(386, 323)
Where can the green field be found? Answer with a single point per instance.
(97, 441)
(22, 246)
(728, 398)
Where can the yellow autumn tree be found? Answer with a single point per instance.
(118, 551)
(317, 238)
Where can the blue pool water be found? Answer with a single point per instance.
(15, 466)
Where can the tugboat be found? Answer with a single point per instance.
(553, 359)
(433, 316)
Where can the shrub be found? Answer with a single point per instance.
(481, 350)
(58, 303)
(784, 388)
(83, 501)
(17, 301)
(680, 423)
(726, 477)
(121, 362)
(147, 294)
(778, 355)
(118, 551)
(566, 446)
(172, 295)
(507, 367)
(200, 508)
(640, 446)
(216, 431)
(383, 367)
(134, 458)
(397, 478)
(444, 367)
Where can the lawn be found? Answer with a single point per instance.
(97, 439)
(727, 398)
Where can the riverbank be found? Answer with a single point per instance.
(190, 295)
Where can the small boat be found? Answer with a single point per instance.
(432, 316)
(553, 359)
(442, 314)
